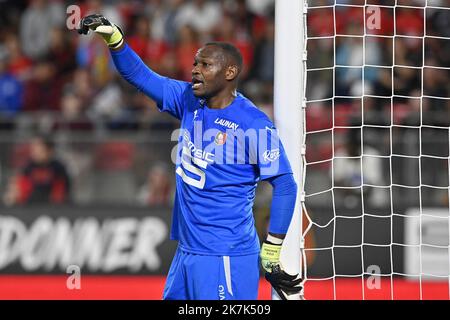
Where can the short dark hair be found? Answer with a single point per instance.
(230, 50)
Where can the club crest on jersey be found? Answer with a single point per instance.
(226, 123)
(220, 138)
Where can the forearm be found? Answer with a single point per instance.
(127, 62)
(283, 204)
(134, 70)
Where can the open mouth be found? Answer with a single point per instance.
(196, 83)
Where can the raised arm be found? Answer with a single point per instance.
(136, 72)
(169, 94)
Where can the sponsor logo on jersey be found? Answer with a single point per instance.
(197, 152)
(226, 123)
(271, 155)
(220, 138)
(221, 292)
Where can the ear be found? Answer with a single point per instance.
(231, 73)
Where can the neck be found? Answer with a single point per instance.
(221, 100)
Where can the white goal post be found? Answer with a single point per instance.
(288, 100)
(377, 187)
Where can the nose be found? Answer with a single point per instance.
(195, 70)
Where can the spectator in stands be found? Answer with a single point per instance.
(260, 7)
(150, 50)
(61, 52)
(19, 65)
(350, 52)
(157, 191)
(263, 67)
(83, 86)
(262, 71)
(43, 90)
(111, 9)
(11, 195)
(170, 33)
(10, 12)
(139, 38)
(187, 47)
(348, 173)
(108, 103)
(435, 80)
(156, 12)
(92, 56)
(229, 31)
(407, 54)
(35, 26)
(246, 21)
(169, 65)
(90, 52)
(201, 15)
(320, 21)
(44, 180)
(10, 92)
(409, 22)
(406, 81)
(73, 115)
(76, 98)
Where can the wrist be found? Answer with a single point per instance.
(116, 39)
(274, 240)
(270, 255)
(112, 34)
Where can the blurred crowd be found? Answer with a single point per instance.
(397, 60)
(54, 80)
(47, 69)
(390, 83)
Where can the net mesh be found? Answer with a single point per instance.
(377, 140)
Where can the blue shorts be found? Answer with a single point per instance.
(201, 277)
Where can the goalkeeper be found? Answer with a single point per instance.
(218, 248)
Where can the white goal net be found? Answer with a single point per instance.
(377, 135)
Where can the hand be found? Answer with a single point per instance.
(283, 283)
(111, 33)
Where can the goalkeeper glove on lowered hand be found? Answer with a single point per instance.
(111, 33)
(283, 283)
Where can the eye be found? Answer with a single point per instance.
(206, 64)
(195, 64)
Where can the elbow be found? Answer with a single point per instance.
(291, 185)
(294, 184)
(284, 185)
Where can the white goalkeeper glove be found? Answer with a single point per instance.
(283, 283)
(111, 33)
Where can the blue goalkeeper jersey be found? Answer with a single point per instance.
(221, 155)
